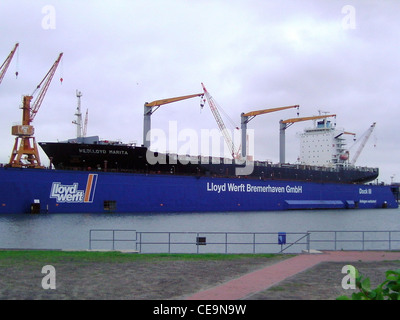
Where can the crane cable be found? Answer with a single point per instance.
(17, 64)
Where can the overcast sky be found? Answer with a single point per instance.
(337, 56)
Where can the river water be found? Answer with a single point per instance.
(71, 231)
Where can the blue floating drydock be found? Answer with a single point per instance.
(58, 191)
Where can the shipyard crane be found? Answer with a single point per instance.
(24, 132)
(284, 124)
(221, 124)
(247, 117)
(6, 63)
(151, 107)
(364, 140)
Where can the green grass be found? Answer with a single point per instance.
(9, 256)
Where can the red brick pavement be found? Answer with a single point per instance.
(264, 278)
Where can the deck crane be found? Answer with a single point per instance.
(348, 133)
(364, 140)
(284, 124)
(247, 117)
(151, 107)
(6, 63)
(24, 132)
(221, 125)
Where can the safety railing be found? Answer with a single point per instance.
(220, 242)
(196, 242)
(112, 237)
(242, 242)
(354, 240)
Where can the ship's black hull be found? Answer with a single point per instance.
(126, 158)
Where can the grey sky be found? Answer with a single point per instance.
(249, 54)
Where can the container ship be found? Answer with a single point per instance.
(96, 176)
(89, 175)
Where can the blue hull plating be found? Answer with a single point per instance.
(97, 192)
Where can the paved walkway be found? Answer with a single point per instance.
(263, 279)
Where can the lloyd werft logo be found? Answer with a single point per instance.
(71, 194)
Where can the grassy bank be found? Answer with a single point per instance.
(41, 256)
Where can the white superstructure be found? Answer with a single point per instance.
(323, 145)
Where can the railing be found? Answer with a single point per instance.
(242, 242)
(196, 242)
(113, 237)
(219, 242)
(354, 240)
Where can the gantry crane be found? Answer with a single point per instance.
(364, 140)
(6, 63)
(247, 117)
(284, 124)
(221, 124)
(24, 132)
(151, 107)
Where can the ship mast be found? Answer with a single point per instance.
(78, 121)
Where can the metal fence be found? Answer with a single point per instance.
(354, 240)
(197, 242)
(241, 242)
(111, 239)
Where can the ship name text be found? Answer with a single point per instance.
(247, 187)
(103, 151)
(365, 191)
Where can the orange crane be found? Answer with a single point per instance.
(6, 63)
(247, 117)
(284, 124)
(151, 107)
(24, 133)
(220, 123)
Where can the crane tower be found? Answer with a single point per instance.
(24, 133)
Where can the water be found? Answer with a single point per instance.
(71, 231)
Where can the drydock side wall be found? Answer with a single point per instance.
(56, 191)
